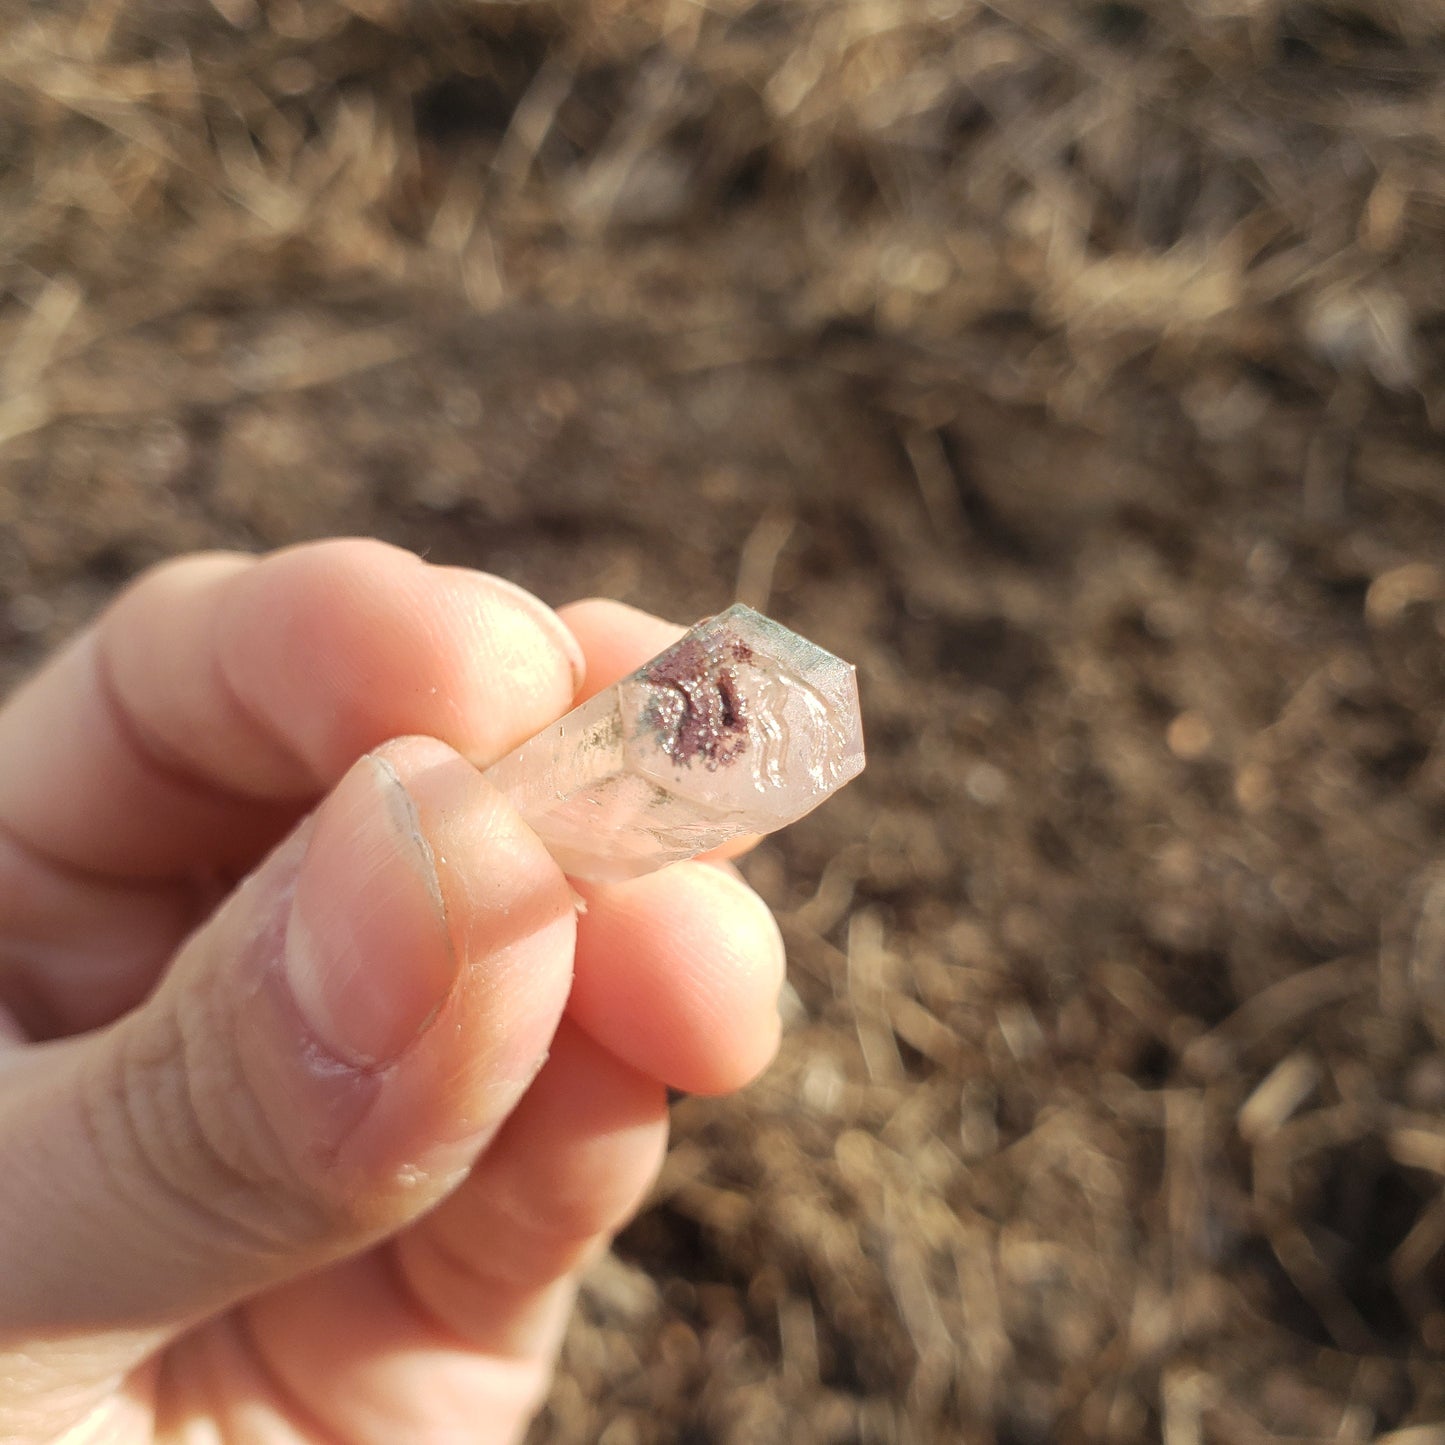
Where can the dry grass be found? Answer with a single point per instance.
(1075, 369)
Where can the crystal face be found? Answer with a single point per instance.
(739, 727)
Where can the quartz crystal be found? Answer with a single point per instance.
(740, 727)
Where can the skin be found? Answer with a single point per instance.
(316, 1089)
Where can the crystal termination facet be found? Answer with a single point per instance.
(739, 727)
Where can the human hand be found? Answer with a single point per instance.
(317, 1155)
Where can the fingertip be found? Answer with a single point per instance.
(754, 975)
(679, 973)
(547, 620)
(509, 910)
(428, 958)
(343, 644)
(615, 639)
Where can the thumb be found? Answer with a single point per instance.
(323, 1062)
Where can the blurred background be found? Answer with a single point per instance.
(1073, 368)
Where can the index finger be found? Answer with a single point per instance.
(221, 695)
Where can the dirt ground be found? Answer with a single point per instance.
(1074, 369)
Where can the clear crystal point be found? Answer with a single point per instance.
(739, 727)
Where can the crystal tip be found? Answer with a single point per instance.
(744, 715)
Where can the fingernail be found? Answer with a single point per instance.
(368, 955)
(549, 622)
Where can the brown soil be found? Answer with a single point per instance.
(1072, 368)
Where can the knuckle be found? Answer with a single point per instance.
(207, 1178)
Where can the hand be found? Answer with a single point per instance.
(317, 1155)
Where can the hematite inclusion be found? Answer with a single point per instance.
(740, 727)
(699, 710)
